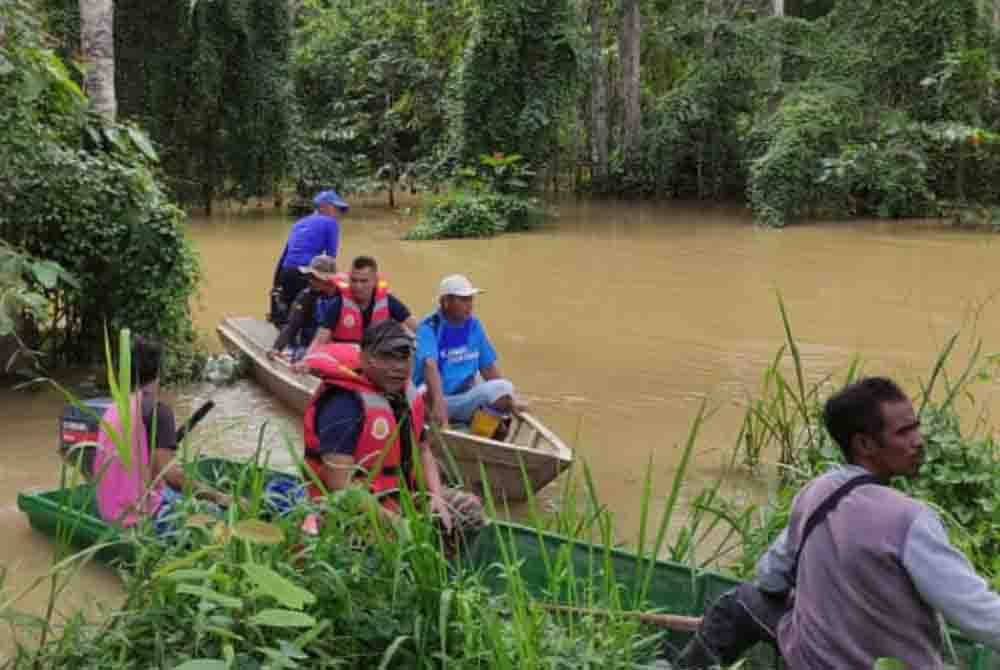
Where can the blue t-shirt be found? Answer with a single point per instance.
(460, 351)
(311, 236)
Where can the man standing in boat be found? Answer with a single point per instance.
(364, 300)
(453, 352)
(318, 233)
(368, 415)
(308, 312)
(877, 567)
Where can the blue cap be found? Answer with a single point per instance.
(330, 198)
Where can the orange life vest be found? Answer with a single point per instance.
(351, 324)
(379, 445)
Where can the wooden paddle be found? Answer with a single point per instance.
(672, 621)
(194, 419)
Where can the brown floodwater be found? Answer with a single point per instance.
(615, 320)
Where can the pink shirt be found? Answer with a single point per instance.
(124, 491)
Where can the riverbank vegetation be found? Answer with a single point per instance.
(251, 588)
(797, 107)
(101, 244)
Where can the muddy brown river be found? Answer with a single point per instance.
(615, 321)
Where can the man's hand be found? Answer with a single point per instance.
(439, 412)
(300, 368)
(440, 507)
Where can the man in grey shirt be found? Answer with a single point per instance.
(874, 572)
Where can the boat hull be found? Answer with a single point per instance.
(529, 459)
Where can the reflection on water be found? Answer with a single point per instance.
(616, 321)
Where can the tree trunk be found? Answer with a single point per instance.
(98, 46)
(628, 53)
(598, 95)
(779, 7)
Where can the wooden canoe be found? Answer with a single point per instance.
(529, 444)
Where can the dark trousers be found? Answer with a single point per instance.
(290, 283)
(739, 619)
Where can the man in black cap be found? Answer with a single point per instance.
(368, 416)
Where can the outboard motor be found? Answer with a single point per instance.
(78, 430)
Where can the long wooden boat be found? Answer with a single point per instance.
(557, 569)
(528, 445)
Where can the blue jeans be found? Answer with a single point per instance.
(462, 406)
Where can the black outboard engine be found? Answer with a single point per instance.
(79, 426)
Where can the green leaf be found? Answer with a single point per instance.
(47, 273)
(270, 583)
(283, 619)
(208, 594)
(142, 142)
(258, 531)
(189, 575)
(889, 664)
(202, 664)
(5, 66)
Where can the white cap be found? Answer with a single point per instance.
(457, 285)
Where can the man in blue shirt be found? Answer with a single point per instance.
(318, 233)
(453, 351)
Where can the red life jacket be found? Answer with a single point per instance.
(379, 445)
(351, 324)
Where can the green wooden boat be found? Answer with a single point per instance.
(551, 567)
(559, 570)
(71, 512)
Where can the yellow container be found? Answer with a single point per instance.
(484, 422)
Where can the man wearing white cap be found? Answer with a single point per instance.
(453, 351)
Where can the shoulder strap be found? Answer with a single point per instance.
(820, 513)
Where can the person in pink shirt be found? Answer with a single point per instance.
(149, 484)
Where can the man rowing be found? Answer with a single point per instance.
(372, 418)
(877, 567)
(312, 235)
(453, 353)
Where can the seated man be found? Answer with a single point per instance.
(308, 312)
(355, 413)
(452, 349)
(363, 301)
(150, 484)
(862, 570)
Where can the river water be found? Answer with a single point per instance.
(615, 321)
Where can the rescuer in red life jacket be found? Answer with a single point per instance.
(363, 301)
(351, 425)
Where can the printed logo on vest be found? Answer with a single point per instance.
(348, 320)
(380, 428)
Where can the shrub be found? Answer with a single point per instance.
(474, 214)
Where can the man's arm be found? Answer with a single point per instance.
(491, 371)
(332, 238)
(948, 583)
(435, 391)
(165, 464)
(774, 569)
(432, 479)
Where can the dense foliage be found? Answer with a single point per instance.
(243, 593)
(84, 195)
(210, 82)
(515, 78)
